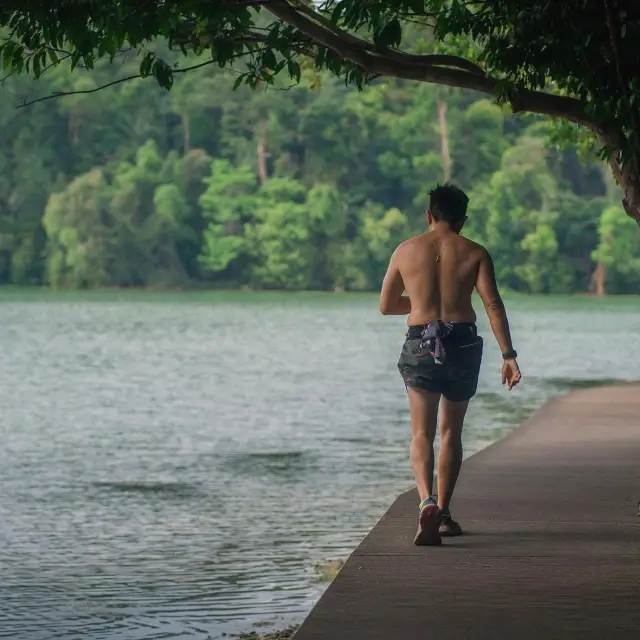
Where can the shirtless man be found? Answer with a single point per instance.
(440, 359)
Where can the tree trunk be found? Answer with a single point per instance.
(629, 182)
(262, 152)
(186, 131)
(73, 127)
(444, 140)
(631, 202)
(598, 279)
(625, 174)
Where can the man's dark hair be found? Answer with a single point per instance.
(448, 203)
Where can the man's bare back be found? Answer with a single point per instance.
(439, 271)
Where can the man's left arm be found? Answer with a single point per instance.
(392, 302)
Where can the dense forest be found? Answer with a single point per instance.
(309, 187)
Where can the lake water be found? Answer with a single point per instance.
(176, 465)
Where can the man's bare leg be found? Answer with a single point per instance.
(423, 406)
(450, 459)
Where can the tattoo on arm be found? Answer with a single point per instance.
(493, 304)
(496, 306)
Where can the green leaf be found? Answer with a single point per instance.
(294, 69)
(238, 81)
(269, 59)
(147, 63)
(391, 35)
(163, 73)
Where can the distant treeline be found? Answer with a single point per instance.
(307, 188)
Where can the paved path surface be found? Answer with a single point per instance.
(552, 548)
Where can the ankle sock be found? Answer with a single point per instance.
(426, 502)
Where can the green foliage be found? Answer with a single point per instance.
(280, 236)
(284, 189)
(118, 227)
(79, 238)
(619, 248)
(539, 270)
(585, 49)
(228, 203)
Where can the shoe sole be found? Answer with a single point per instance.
(428, 534)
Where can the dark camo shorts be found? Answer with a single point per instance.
(453, 371)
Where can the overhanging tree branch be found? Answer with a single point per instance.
(60, 94)
(314, 29)
(400, 56)
(435, 69)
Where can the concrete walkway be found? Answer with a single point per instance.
(552, 544)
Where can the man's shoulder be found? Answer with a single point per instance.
(421, 237)
(475, 247)
(409, 243)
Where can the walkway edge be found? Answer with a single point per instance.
(552, 544)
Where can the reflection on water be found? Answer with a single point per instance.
(177, 467)
(569, 384)
(178, 489)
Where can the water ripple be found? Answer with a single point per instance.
(162, 476)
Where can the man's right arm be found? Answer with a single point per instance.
(488, 290)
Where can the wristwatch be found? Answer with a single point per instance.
(510, 355)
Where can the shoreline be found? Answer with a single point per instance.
(329, 571)
(518, 529)
(282, 634)
(33, 290)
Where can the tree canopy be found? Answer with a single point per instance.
(574, 60)
(206, 186)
